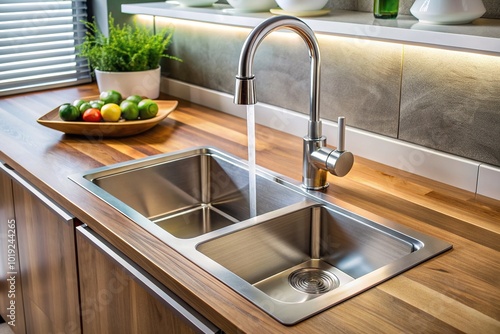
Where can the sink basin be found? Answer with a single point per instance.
(302, 253)
(186, 194)
(314, 257)
(291, 241)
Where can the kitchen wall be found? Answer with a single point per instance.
(99, 9)
(441, 99)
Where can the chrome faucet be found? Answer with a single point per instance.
(317, 157)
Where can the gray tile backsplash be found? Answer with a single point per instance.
(367, 95)
(441, 99)
(209, 53)
(361, 80)
(450, 101)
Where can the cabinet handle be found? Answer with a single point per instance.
(67, 217)
(174, 303)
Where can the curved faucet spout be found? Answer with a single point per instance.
(245, 85)
(317, 158)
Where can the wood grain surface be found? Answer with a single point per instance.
(458, 291)
(127, 307)
(47, 256)
(11, 292)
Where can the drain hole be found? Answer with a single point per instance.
(313, 280)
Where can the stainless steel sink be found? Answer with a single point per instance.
(311, 258)
(188, 193)
(303, 252)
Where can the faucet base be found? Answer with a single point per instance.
(313, 176)
(305, 186)
(318, 160)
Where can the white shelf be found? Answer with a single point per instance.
(482, 36)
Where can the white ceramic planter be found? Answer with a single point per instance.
(447, 11)
(144, 83)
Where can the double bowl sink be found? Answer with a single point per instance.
(300, 254)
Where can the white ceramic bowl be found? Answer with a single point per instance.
(193, 3)
(447, 11)
(301, 5)
(253, 5)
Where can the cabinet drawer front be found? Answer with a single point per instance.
(188, 320)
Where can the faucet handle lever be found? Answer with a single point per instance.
(341, 134)
(339, 162)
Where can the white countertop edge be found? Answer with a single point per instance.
(456, 171)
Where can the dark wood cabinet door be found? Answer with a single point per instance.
(47, 255)
(11, 296)
(119, 297)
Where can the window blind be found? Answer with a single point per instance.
(38, 40)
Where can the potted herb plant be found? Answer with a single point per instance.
(128, 59)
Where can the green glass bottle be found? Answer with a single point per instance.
(385, 9)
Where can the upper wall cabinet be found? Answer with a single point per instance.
(482, 36)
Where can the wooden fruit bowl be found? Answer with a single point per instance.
(121, 128)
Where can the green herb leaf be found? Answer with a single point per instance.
(128, 47)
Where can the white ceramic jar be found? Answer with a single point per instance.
(447, 11)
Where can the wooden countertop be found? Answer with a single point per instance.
(457, 291)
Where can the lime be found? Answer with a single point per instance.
(134, 98)
(130, 110)
(68, 112)
(97, 104)
(147, 109)
(78, 103)
(84, 106)
(111, 112)
(111, 96)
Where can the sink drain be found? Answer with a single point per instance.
(313, 280)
